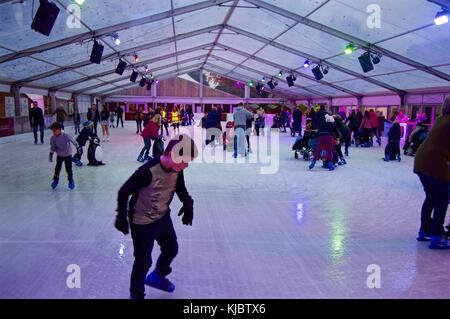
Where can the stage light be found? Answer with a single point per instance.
(280, 74)
(45, 17)
(350, 48)
(143, 82)
(272, 84)
(376, 58)
(79, 2)
(136, 58)
(290, 80)
(251, 83)
(366, 62)
(146, 68)
(149, 85)
(325, 69)
(317, 72)
(263, 79)
(121, 67)
(259, 88)
(157, 81)
(116, 39)
(97, 52)
(134, 76)
(442, 17)
(306, 64)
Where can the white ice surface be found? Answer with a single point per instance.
(294, 234)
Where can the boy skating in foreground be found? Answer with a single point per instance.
(152, 188)
(60, 144)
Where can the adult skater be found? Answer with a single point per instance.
(93, 115)
(139, 117)
(392, 150)
(119, 115)
(352, 122)
(297, 116)
(366, 127)
(76, 120)
(152, 188)
(374, 124)
(240, 117)
(164, 121)
(60, 144)
(345, 135)
(212, 122)
(431, 164)
(104, 122)
(260, 121)
(37, 122)
(325, 141)
(175, 120)
(61, 114)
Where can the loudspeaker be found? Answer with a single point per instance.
(143, 81)
(133, 76)
(45, 17)
(121, 67)
(291, 80)
(366, 62)
(97, 52)
(317, 73)
(271, 85)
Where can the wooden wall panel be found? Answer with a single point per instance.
(175, 87)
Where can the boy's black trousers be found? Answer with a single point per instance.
(143, 239)
(67, 160)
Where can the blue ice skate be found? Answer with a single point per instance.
(437, 242)
(71, 184)
(331, 166)
(313, 163)
(54, 184)
(423, 236)
(156, 281)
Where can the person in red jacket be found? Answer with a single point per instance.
(149, 133)
(374, 123)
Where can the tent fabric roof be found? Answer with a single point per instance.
(244, 40)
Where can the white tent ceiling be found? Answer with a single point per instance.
(244, 40)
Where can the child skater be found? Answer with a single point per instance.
(60, 144)
(152, 188)
(392, 150)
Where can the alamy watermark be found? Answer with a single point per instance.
(74, 278)
(374, 279)
(374, 18)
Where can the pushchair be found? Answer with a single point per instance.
(410, 149)
(306, 145)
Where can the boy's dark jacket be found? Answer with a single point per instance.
(141, 178)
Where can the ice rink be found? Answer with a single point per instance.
(293, 234)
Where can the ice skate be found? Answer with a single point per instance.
(423, 236)
(156, 281)
(140, 159)
(313, 163)
(54, 183)
(331, 166)
(437, 242)
(71, 184)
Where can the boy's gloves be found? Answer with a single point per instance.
(50, 157)
(121, 225)
(188, 214)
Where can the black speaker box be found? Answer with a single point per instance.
(97, 52)
(121, 67)
(45, 17)
(317, 73)
(366, 62)
(133, 76)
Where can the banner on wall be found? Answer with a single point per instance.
(23, 106)
(10, 106)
